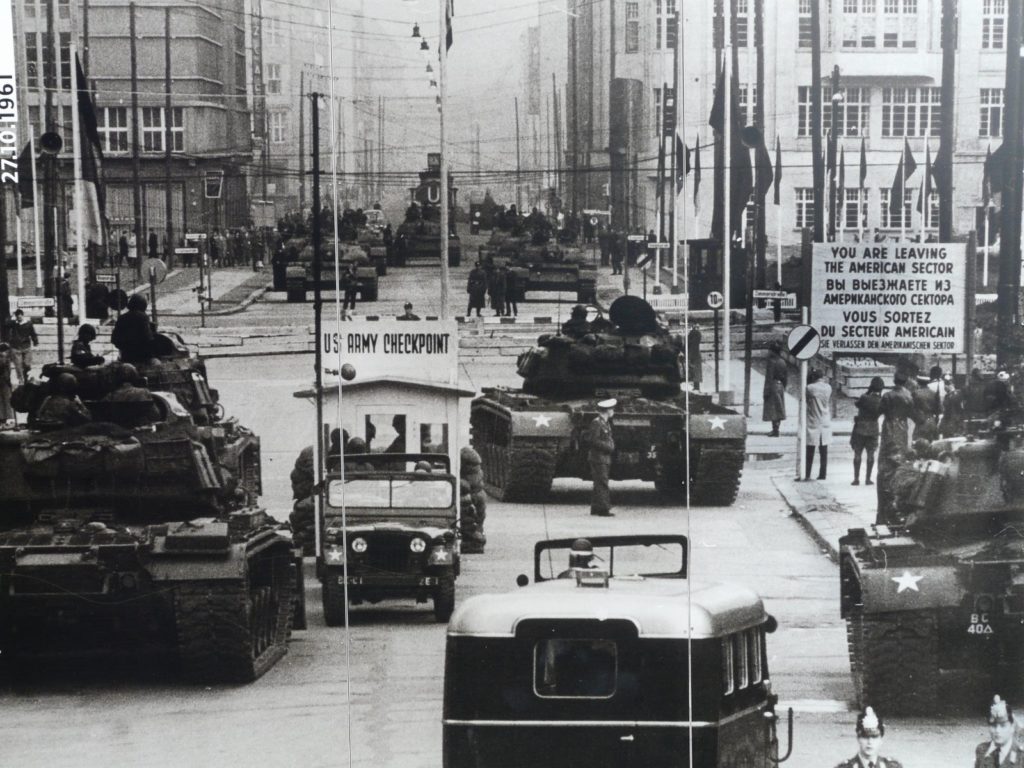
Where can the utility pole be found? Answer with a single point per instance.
(818, 168)
(558, 136)
(136, 189)
(760, 239)
(573, 126)
(833, 150)
(317, 294)
(944, 158)
(49, 158)
(519, 197)
(1012, 179)
(168, 206)
(302, 141)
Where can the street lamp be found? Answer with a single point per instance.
(424, 46)
(416, 29)
(429, 68)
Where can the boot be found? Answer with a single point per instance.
(808, 461)
(856, 470)
(823, 469)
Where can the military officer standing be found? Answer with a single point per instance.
(870, 732)
(999, 751)
(600, 447)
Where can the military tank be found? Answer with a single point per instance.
(299, 278)
(139, 531)
(937, 597)
(421, 239)
(541, 266)
(527, 437)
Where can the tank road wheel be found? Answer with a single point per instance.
(671, 472)
(899, 664)
(333, 596)
(234, 631)
(715, 476)
(444, 597)
(522, 472)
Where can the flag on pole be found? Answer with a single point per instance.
(926, 183)
(911, 164)
(696, 176)
(765, 176)
(995, 170)
(91, 151)
(449, 11)
(986, 179)
(830, 154)
(863, 163)
(778, 170)
(904, 171)
(682, 164)
(842, 174)
(736, 160)
(25, 185)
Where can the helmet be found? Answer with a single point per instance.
(581, 554)
(128, 373)
(137, 302)
(356, 445)
(423, 465)
(1003, 376)
(66, 384)
(86, 332)
(869, 724)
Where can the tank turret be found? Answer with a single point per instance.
(629, 351)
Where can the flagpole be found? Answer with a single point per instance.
(841, 191)
(778, 216)
(984, 267)
(726, 212)
(79, 197)
(920, 194)
(35, 209)
(679, 164)
(17, 235)
(903, 191)
(442, 47)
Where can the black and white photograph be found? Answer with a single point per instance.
(511, 383)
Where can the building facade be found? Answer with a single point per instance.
(890, 61)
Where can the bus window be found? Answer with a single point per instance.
(756, 673)
(742, 672)
(575, 668)
(728, 676)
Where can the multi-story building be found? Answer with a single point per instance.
(890, 61)
(207, 127)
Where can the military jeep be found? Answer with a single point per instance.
(390, 525)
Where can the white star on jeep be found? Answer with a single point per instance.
(542, 421)
(717, 422)
(334, 555)
(907, 581)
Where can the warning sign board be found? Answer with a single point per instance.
(889, 297)
(421, 350)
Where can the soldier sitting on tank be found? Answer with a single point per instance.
(577, 326)
(62, 408)
(133, 332)
(999, 396)
(129, 390)
(581, 558)
(81, 351)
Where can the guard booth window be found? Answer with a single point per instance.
(434, 438)
(385, 432)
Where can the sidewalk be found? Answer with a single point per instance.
(828, 508)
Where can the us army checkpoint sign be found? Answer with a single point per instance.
(417, 350)
(890, 297)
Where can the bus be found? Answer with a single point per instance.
(624, 662)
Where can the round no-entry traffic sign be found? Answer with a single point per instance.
(716, 300)
(593, 221)
(156, 267)
(803, 342)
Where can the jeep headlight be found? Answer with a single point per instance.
(359, 545)
(418, 545)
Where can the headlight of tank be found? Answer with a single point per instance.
(359, 545)
(418, 545)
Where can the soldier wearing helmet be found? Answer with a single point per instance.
(999, 751)
(144, 410)
(62, 408)
(870, 732)
(133, 332)
(581, 558)
(81, 351)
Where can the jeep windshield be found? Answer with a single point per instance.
(392, 493)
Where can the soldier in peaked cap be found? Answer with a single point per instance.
(870, 732)
(600, 447)
(999, 751)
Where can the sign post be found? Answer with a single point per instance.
(803, 343)
(715, 301)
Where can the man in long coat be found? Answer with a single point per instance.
(476, 287)
(775, 376)
(897, 410)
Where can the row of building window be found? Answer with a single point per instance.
(115, 134)
(864, 24)
(852, 209)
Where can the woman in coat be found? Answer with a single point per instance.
(775, 376)
(819, 422)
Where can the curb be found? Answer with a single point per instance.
(817, 511)
(244, 304)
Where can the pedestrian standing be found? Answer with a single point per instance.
(154, 245)
(776, 375)
(952, 422)
(870, 733)
(897, 409)
(616, 255)
(819, 423)
(511, 292)
(600, 447)
(476, 287)
(496, 288)
(350, 284)
(132, 254)
(21, 335)
(864, 436)
(122, 249)
(694, 363)
(6, 411)
(999, 751)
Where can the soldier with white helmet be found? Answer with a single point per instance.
(999, 751)
(870, 733)
(600, 447)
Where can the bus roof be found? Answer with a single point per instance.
(658, 607)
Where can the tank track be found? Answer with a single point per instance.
(716, 479)
(894, 660)
(234, 631)
(521, 472)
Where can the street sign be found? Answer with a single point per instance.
(595, 212)
(659, 246)
(645, 259)
(716, 300)
(195, 236)
(671, 302)
(763, 294)
(803, 342)
(31, 302)
(636, 238)
(107, 279)
(156, 267)
(186, 251)
(876, 298)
